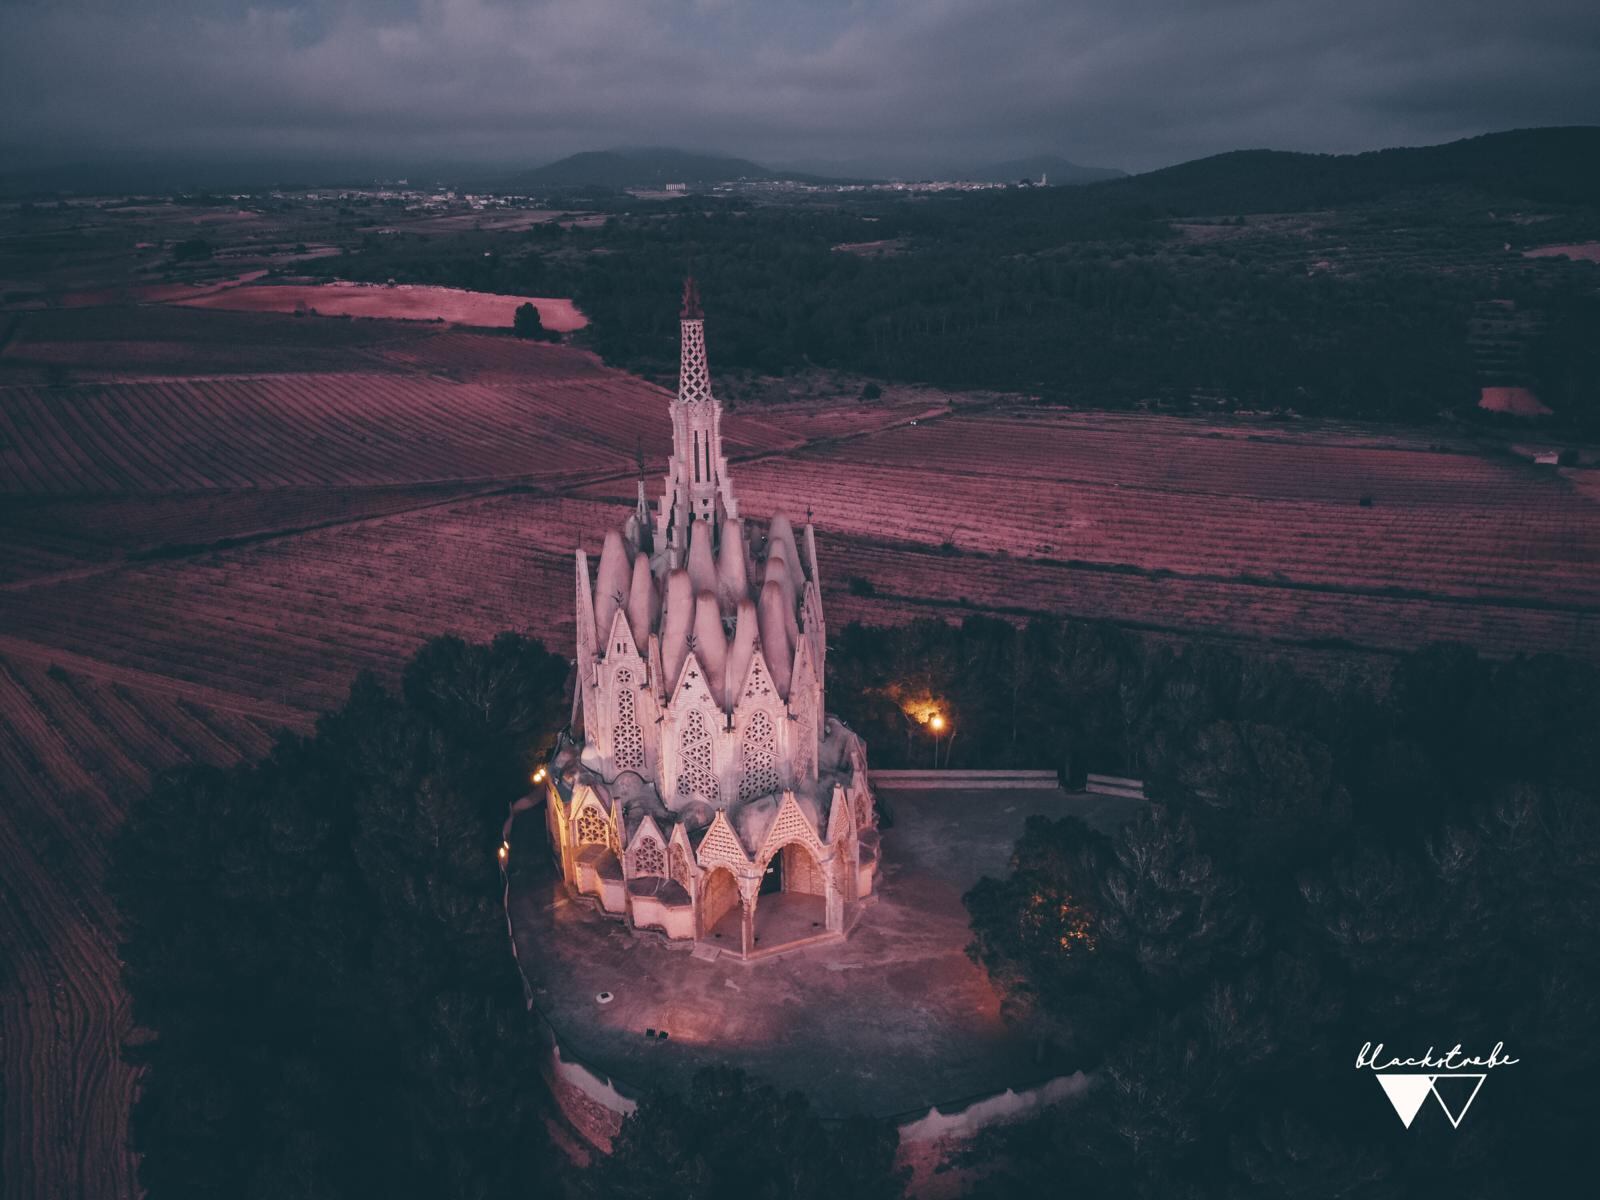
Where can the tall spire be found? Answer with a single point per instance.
(697, 485)
(694, 377)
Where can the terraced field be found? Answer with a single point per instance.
(1180, 498)
(190, 561)
(309, 431)
(76, 741)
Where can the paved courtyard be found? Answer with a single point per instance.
(889, 1021)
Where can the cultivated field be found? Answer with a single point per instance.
(76, 740)
(1582, 252)
(238, 529)
(412, 302)
(210, 521)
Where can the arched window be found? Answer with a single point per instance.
(648, 858)
(695, 773)
(758, 754)
(627, 742)
(592, 827)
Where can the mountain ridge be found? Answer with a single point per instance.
(1549, 163)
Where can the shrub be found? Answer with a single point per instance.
(192, 250)
(525, 323)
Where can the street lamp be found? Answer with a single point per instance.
(936, 723)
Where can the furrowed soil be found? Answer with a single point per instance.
(210, 521)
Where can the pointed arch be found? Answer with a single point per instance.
(721, 897)
(758, 758)
(802, 871)
(696, 774)
(648, 858)
(627, 739)
(721, 845)
(790, 825)
(592, 826)
(758, 681)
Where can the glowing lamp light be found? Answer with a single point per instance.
(505, 852)
(538, 776)
(936, 722)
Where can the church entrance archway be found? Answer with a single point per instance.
(797, 909)
(772, 877)
(720, 913)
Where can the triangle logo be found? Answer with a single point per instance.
(1462, 1090)
(1406, 1093)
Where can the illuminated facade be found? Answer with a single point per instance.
(703, 790)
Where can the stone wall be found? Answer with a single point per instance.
(929, 1143)
(595, 1108)
(590, 1102)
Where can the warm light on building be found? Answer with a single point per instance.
(704, 790)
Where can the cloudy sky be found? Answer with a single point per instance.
(1129, 83)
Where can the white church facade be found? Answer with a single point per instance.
(703, 790)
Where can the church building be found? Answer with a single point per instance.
(703, 790)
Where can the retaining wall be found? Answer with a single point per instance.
(595, 1108)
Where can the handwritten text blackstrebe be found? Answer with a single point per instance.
(1454, 1060)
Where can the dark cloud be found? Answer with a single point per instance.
(1133, 83)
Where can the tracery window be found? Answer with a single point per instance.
(695, 773)
(592, 827)
(648, 858)
(627, 742)
(759, 758)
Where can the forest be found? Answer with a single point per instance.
(1313, 284)
(316, 948)
(1316, 872)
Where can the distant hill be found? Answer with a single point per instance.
(1559, 165)
(624, 168)
(1056, 169)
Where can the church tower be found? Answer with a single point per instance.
(697, 479)
(702, 770)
